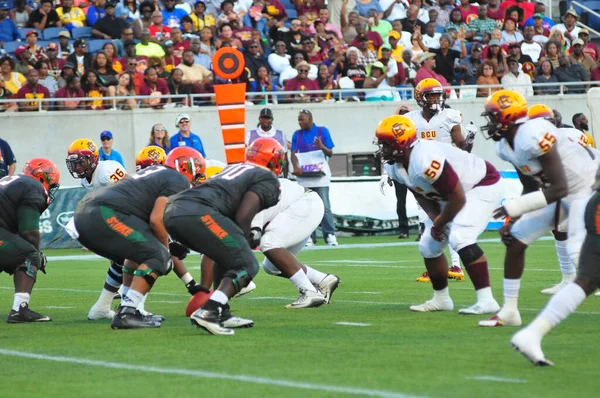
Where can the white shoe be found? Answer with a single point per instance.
(480, 308)
(328, 285)
(308, 299)
(556, 288)
(232, 322)
(434, 305)
(309, 243)
(210, 321)
(503, 318)
(597, 293)
(530, 346)
(332, 240)
(251, 286)
(97, 314)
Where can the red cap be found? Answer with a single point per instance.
(32, 32)
(52, 46)
(20, 50)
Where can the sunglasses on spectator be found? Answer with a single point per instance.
(302, 70)
(160, 129)
(127, 33)
(296, 24)
(253, 46)
(184, 121)
(105, 139)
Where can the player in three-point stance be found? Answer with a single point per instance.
(459, 192)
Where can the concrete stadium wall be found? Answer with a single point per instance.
(352, 127)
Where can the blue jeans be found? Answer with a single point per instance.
(327, 225)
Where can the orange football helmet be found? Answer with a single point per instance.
(266, 152)
(430, 95)
(188, 162)
(541, 110)
(503, 109)
(46, 172)
(393, 135)
(82, 158)
(150, 156)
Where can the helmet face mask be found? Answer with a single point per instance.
(433, 101)
(46, 172)
(188, 162)
(268, 153)
(493, 129)
(82, 158)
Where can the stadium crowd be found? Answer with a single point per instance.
(76, 48)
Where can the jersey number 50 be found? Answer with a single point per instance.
(433, 169)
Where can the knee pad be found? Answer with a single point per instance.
(469, 254)
(559, 235)
(429, 247)
(128, 271)
(270, 268)
(161, 262)
(240, 278)
(146, 275)
(33, 262)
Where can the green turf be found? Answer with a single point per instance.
(430, 355)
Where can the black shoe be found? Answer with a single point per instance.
(130, 318)
(26, 315)
(232, 322)
(210, 320)
(403, 235)
(418, 238)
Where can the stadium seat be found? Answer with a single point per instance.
(44, 43)
(288, 4)
(588, 18)
(52, 33)
(23, 32)
(83, 32)
(11, 46)
(292, 13)
(96, 45)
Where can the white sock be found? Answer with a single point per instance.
(560, 306)
(301, 281)
(313, 275)
(219, 297)
(567, 268)
(20, 298)
(484, 295)
(443, 294)
(511, 293)
(187, 278)
(454, 257)
(142, 303)
(132, 299)
(105, 300)
(124, 290)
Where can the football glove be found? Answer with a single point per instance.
(194, 288)
(385, 179)
(471, 132)
(178, 250)
(254, 237)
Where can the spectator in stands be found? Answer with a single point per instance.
(394, 39)
(8, 161)
(516, 80)
(546, 75)
(8, 29)
(172, 15)
(80, 58)
(146, 48)
(589, 48)
(487, 74)
(155, 87)
(127, 10)
(510, 34)
(393, 67)
(265, 129)
(579, 57)
(197, 76)
(109, 27)
(410, 67)
(394, 9)
(23, 57)
(95, 12)
(427, 69)
(71, 17)
(141, 61)
(207, 42)
(200, 58)
(377, 78)
(254, 60)
(329, 27)
(365, 56)
(179, 43)
(68, 69)
(10, 80)
(102, 64)
(45, 16)
(348, 25)
(46, 79)
(147, 8)
(363, 7)
(482, 24)
(92, 88)
(494, 11)
(308, 8)
(351, 69)
(159, 136)
(184, 136)
(314, 53)
(106, 151)
(55, 64)
(20, 14)
(176, 87)
(158, 31)
(261, 84)
(125, 88)
(558, 120)
(36, 51)
(302, 83)
(558, 36)
(433, 17)
(65, 47)
(111, 53)
(541, 33)
(552, 52)
(567, 72)
(468, 10)
(227, 15)
(456, 21)
(326, 81)
(528, 46)
(431, 38)
(495, 55)
(201, 18)
(514, 50)
(411, 21)
(540, 10)
(374, 24)
(311, 148)
(293, 37)
(470, 65)
(580, 122)
(445, 58)
(187, 26)
(32, 91)
(568, 27)
(374, 39)
(279, 60)
(68, 92)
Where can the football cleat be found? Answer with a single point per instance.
(210, 320)
(327, 286)
(530, 346)
(154, 317)
(309, 243)
(232, 322)
(424, 277)
(455, 272)
(308, 299)
(130, 318)
(556, 288)
(331, 240)
(597, 293)
(434, 305)
(512, 318)
(25, 315)
(248, 289)
(480, 308)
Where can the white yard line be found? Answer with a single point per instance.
(496, 379)
(58, 307)
(202, 374)
(352, 324)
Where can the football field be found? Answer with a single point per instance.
(365, 343)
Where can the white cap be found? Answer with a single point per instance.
(180, 117)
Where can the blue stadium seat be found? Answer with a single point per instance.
(96, 45)
(292, 13)
(288, 4)
(23, 32)
(83, 32)
(592, 21)
(44, 43)
(11, 46)
(52, 33)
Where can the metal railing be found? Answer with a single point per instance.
(406, 93)
(588, 10)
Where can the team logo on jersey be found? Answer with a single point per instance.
(91, 146)
(504, 101)
(397, 130)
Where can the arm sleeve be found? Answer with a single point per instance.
(29, 218)
(294, 148)
(327, 141)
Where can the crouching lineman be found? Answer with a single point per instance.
(214, 219)
(282, 231)
(554, 170)
(23, 198)
(528, 341)
(123, 223)
(459, 192)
